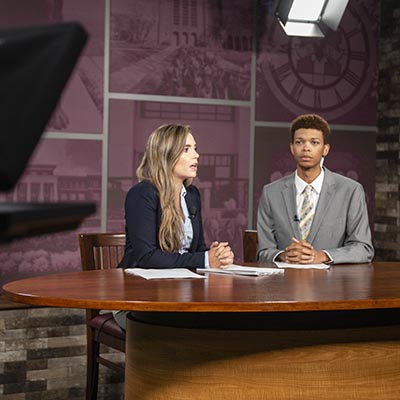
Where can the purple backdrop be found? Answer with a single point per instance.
(198, 52)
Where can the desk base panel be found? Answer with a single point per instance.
(165, 363)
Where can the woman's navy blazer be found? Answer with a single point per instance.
(143, 218)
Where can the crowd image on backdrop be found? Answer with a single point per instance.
(196, 72)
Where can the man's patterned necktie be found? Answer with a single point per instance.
(306, 212)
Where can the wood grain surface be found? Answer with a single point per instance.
(342, 287)
(164, 363)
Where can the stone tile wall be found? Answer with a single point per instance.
(43, 356)
(387, 195)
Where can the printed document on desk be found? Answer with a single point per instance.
(235, 269)
(168, 273)
(301, 266)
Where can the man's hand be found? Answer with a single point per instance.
(302, 252)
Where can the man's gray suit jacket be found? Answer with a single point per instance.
(340, 225)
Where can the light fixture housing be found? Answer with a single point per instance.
(310, 17)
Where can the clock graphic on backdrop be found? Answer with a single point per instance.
(328, 76)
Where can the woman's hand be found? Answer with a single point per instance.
(220, 255)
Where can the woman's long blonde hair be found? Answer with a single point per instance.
(164, 147)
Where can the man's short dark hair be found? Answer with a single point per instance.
(310, 121)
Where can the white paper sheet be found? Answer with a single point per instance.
(235, 269)
(301, 266)
(171, 273)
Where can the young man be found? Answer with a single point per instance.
(313, 216)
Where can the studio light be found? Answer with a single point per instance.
(310, 17)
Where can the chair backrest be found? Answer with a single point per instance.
(250, 243)
(101, 250)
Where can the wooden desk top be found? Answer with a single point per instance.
(342, 287)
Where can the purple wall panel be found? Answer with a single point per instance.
(190, 49)
(60, 171)
(222, 136)
(81, 105)
(335, 76)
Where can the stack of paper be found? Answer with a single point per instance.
(301, 266)
(171, 273)
(242, 270)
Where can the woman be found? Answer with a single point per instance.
(163, 211)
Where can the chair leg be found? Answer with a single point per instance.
(92, 372)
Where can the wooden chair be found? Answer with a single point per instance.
(250, 243)
(101, 251)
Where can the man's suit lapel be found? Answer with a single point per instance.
(289, 198)
(324, 201)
